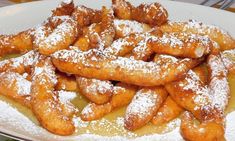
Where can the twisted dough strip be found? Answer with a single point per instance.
(86, 16)
(20, 64)
(60, 38)
(209, 131)
(181, 45)
(95, 64)
(124, 28)
(122, 96)
(45, 104)
(224, 40)
(65, 8)
(16, 87)
(153, 14)
(19, 43)
(143, 107)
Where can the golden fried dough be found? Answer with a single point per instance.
(209, 131)
(224, 40)
(95, 64)
(153, 14)
(19, 64)
(65, 82)
(61, 37)
(167, 112)
(65, 8)
(15, 87)
(45, 103)
(124, 28)
(181, 45)
(86, 16)
(19, 43)
(122, 96)
(95, 90)
(144, 106)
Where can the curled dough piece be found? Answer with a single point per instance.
(45, 103)
(15, 87)
(20, 64)
(19, 43)
(153, 14)
(209, 131)
(167, 112)
(206, 102)
(60, 38)
(65, 82)
(122, 96)
(143, 107)
(181, 45)
(95, 64)
(124, 28)
(224, 40)
(95, 90)
(228, 57)
(86, 16)
(66, 7)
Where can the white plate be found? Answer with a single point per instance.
(19, 17)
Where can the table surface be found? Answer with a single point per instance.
(11, 2)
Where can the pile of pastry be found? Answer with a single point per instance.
(121, 56)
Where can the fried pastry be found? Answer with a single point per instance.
(209, 131)
(60, 38)
(153, 14)
(65, 82)
(86, 16)
(19, 43)
(224, 40)
(19, 64)
(124, 28)
(122, 96)
(167, 112)
(181, 45)
(15, 87)
(95, 90)
(66, 7)
(143, 107)
(45, 104)
(95, 64)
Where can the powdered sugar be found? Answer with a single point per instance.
(141, 105)
(128, 27)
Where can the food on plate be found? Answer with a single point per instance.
(95, 90)
(17, 43)
(66, 82)
(122, 96)
(167, 112)
(123, 56)
(16, 87)
(45, 103)
(210, 131)
(181, 44)
(224, 40)
(144, 106)
(152, 14)
(101, 66)
(19, 64)
(60, 38)
(65, 8)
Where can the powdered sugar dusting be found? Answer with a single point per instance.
(141, 104)
(128, 27)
